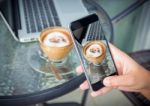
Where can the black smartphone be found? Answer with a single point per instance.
(87, 30)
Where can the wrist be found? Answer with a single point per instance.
(147, 77)
(144, 78)
(146, 93)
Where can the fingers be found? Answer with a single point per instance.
(117, 58)
(118, 81)
(79, 69)
(84, 85)
(102, 91)
(128, 89)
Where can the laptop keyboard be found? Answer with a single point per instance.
(40, 14)
(95, 31)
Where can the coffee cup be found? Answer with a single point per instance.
(55, 43)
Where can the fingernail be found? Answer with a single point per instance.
(82, 87)
(106, 82)
(93, 94)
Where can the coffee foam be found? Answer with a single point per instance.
(56, 39)
(94, 50)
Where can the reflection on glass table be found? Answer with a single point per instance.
(58, 72)
(17, 76)
(20, 80)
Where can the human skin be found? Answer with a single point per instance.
(131, 77)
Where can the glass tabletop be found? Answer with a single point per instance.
(18, 77)
(20, 82)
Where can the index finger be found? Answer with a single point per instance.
(79, 69)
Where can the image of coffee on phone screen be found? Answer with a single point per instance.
(93, 50)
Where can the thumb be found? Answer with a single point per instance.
(116, 81)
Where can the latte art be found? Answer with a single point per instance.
(56, 39)
(94, 51)
(56, 43)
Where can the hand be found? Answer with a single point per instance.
(131, 76)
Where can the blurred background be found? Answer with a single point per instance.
(131, 24)
(132, 32)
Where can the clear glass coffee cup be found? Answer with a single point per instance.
(55, 44)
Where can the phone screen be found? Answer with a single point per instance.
(86, 31)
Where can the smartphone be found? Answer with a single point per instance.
(88, 29)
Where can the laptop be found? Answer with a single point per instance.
(32, 16)
(4, 27)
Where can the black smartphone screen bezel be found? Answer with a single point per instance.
(83, 23)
